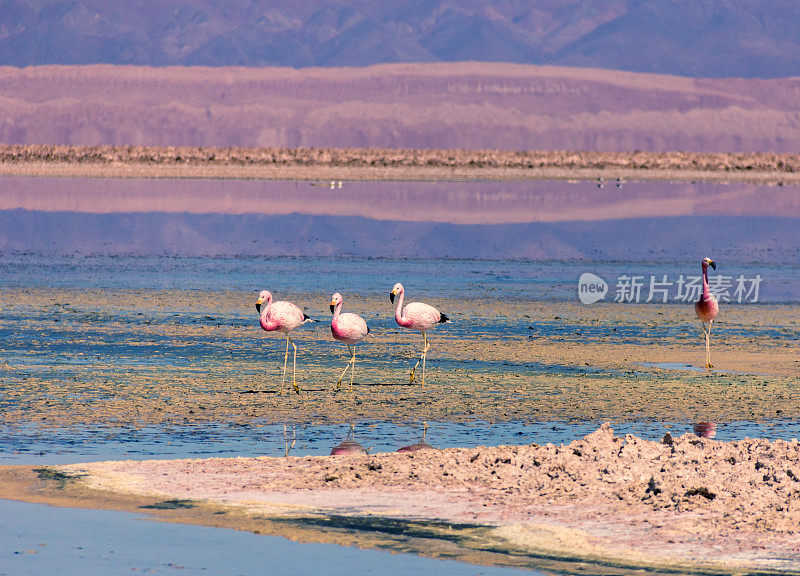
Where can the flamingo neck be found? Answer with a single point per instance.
(336, 311)
(398, 313)
(264, 318)
(706, 290)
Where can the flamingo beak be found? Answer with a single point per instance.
(258, 307)
(391, 297)
(333, 306)
(713, 264)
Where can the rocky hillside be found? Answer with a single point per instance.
(698, 38)
(445, 106)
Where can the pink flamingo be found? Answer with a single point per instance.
(707, 308)
(281, 317)
(417, 316)
(350, 329)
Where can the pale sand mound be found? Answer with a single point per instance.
(687, 501)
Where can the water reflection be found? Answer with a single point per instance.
(348, 446)
(421, 445)
(539, 220)
(446, 202)
(705, 429)
(288, 446)
(32, 445)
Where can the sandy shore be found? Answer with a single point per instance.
(391, 165)
(683, 503)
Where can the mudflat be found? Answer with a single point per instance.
(135, 358)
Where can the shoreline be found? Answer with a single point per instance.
(139, 162)
(685, 503)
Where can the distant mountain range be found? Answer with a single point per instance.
(696, 38)
(445, 106)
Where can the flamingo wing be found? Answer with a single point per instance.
(286, 316)
(421, 316)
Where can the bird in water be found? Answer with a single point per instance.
(281, 317)
(707, 308)
(348, 328)
(417, 316)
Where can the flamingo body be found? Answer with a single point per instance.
(419, 316)
(348, 328)
(415, 315)
(282, 317)
(345, 326)
(707, 307)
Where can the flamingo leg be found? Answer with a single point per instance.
(424, 355)
(294, 366)
(708, 345)
(421, 359)
(285, 360)
(353, 369)
(349, 362)
(413, 370)
(706, 334)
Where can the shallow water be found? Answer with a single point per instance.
(689, 367)
(30, 445)
(449, 276)
(79, 542)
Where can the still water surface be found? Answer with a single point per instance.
(79, 542)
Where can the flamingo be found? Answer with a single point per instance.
(281, 317)
(350, 329)
(707, 308)
(417, 316)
